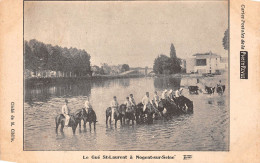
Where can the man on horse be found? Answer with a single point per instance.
(114, 107)
(88, 105)
(132, 100)
(156, 98)
(170, 95)
(146, 101)
(129, 109)
(164, 97)
(65, 111)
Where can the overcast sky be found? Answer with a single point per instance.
(129, 32)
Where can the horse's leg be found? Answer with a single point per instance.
(115, 122)
(80, 125)
(57, 125)
(90, 125)
(84, 123)
(73, 129)
(106, 119)
(62, 126)
(94, 126)
(121, 121)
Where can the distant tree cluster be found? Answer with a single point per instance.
(106, 69)
(125, 67)
(225, 41)
(167, 65)
(40, 56)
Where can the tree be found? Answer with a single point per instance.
(225, 40)
(173, 51)
(125, 67)
(166, 65)
(39, 56)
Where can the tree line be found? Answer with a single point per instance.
(39, 57)
(167, 65)
(106, 69)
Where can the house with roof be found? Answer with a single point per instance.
(206, 63)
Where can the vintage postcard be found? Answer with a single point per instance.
(130, 81)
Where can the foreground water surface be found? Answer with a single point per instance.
(206, 129)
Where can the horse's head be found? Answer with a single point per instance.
(122, 108)
(160, 104)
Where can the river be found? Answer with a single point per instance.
(207, 129)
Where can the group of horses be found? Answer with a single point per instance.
(166, 108)
(209, 90)
(76, 118)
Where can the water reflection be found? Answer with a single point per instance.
(44, 92)
(167, 83)
(206, 129)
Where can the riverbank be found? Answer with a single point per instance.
(47, 80)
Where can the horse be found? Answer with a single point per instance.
(92, 118)
(164, 107)
(221, 89)
(118, 115)
(210, 90)
(139, 113)
(193, 89)
(73, 122)
(83, 116)
(89, 116)
(184, 104)
(128, 114)
(147, 115)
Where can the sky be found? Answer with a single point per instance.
(128, 32)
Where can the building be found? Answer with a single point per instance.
(206, 63)
(183, 65)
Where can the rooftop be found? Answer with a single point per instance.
(206, 55)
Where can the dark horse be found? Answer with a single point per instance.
(128, 114)
(118, 114)
(144, 116)
(221, 89)
(180, 105)
(184, 104)
(193, 89)
(210, 90)
(169, 106)
(73, 122)
(87, 116)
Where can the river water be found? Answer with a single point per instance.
(206, 129)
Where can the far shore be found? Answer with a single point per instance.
(41, 80)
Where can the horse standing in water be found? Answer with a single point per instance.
(73, 122)
(89, 116)
(118, 115)
(144, 116)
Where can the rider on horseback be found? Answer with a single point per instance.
(65, 111)
(88, 105)
(156, 98)
(114, 106)
(129, 109)
(132, 100)
(146, 101)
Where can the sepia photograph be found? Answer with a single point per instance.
(126, 76)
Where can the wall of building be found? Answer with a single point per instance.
(190, 64)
